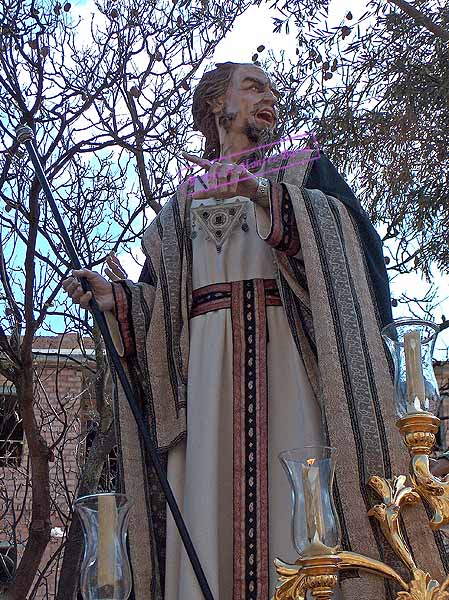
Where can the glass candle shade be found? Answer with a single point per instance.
(315, 526)
(105, 571)
(411, 343)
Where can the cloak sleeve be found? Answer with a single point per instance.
(131, 299)
(120, 320)
(278, 227)
(276, 224)
(122, 314)
(152, 321)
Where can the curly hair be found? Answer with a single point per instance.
(212, 85)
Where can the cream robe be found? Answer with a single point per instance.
(200, 470)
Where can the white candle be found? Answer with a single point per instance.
(313, 503)
(416, 391)
(107, 531)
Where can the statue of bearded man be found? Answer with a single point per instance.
(254, 327)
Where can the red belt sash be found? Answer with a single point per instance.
(219, 295)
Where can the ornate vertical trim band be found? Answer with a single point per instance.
(251, 554)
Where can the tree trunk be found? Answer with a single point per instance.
(40, 527)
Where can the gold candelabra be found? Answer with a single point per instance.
(319, 562)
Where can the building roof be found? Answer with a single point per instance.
(65, 341)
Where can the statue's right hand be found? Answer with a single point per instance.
(101, 288)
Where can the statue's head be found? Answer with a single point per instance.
(235, 97)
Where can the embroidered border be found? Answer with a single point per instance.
(122, 310)
(251, 554)
(284, 234)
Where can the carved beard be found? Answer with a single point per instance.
(261, 136)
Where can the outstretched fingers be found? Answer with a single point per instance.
(114, 269)
(227, 179)
(201, 162)
(222, 179)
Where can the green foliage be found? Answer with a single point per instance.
(375, 90)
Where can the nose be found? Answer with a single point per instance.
(270, 96)
(270, 99)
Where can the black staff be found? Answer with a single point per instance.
(25, 136)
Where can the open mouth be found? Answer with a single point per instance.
(266, 115)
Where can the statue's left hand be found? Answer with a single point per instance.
(224, 180)
(114, 269)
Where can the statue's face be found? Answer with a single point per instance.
(250, 103)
